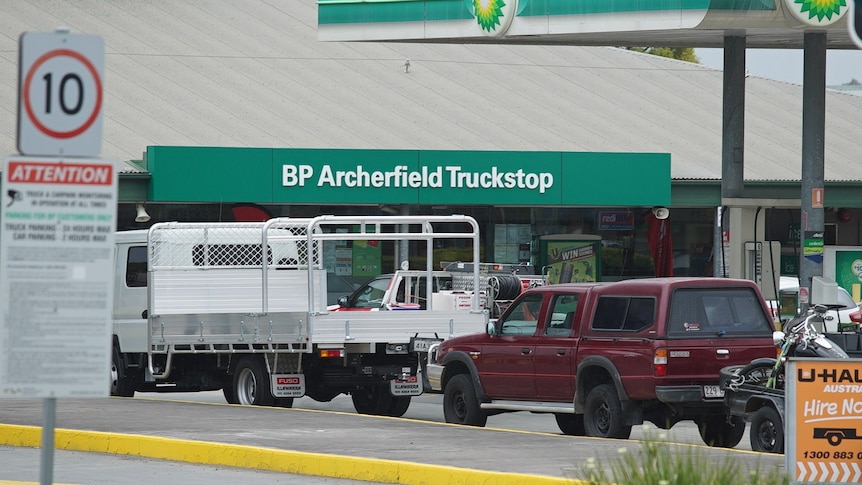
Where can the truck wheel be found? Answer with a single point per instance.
(717, 431)
(398, 406)
(571, 424)
(767, 431)
(251, 382)
(460, 405)
(283, 402)
(121, 384)
(603, 414)
(372, 400)
(229, 395)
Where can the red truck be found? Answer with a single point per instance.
(603, 357)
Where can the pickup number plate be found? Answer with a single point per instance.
(423, 344)
(713, 391)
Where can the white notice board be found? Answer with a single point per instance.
(56, 290)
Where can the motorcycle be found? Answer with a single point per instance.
(755, 391)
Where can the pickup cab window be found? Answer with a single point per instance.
(717, 311)
(370, 295)
(523, 318)
(562, 312)
(624, 313)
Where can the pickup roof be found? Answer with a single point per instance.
(603, 357)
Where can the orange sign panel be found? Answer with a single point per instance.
(825, 420)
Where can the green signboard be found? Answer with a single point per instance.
(342, 176)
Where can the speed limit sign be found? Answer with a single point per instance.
(60, 94)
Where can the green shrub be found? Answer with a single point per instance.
(656, 463)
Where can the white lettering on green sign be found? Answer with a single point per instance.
(401, 176)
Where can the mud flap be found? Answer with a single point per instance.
(288, 385)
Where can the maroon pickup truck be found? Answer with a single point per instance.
(603, 357)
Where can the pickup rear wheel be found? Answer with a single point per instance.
(719, 431)
(571, 424)
(460, 405)
(251, 382)
(603, 414)
(767, 431)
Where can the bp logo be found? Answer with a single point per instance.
(494, 16)
(816, 12)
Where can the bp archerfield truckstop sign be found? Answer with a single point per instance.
(59, 209)
(824, 420)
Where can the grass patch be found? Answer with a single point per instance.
(655, 462)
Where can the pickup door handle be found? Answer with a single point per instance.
(525, 350)
(722, 351)
(561, 351)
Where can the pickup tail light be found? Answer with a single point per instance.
(659, 362)
(856, 317)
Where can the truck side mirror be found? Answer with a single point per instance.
(342, 301)
(492, 328)
(144, 314)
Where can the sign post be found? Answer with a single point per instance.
(824, 420)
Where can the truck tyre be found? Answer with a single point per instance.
(571, 424)
(251, 382)
(121, 384)
(719, 432)
(767, 431)
(373, 400)
(460, 405)
(603, 414)
(283, 402)
(229, 395)
(398, 406)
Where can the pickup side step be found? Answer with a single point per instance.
(532, 406)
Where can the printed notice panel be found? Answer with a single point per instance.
(56, 260)
(824, 414)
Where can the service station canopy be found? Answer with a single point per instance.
(672, 23)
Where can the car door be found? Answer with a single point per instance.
(506, 367)
(556, 347)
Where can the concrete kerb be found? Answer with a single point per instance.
(268, 459)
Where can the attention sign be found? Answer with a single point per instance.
(56, 257)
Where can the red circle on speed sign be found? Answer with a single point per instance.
(28, 107)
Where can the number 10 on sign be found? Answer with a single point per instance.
(60, 102)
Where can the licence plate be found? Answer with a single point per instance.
(713, 391)
(423, 344)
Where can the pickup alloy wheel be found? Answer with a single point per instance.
(767, 431)
(460, 405)
(718, 431)
(603, 414)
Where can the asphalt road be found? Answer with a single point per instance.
(429, 407)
